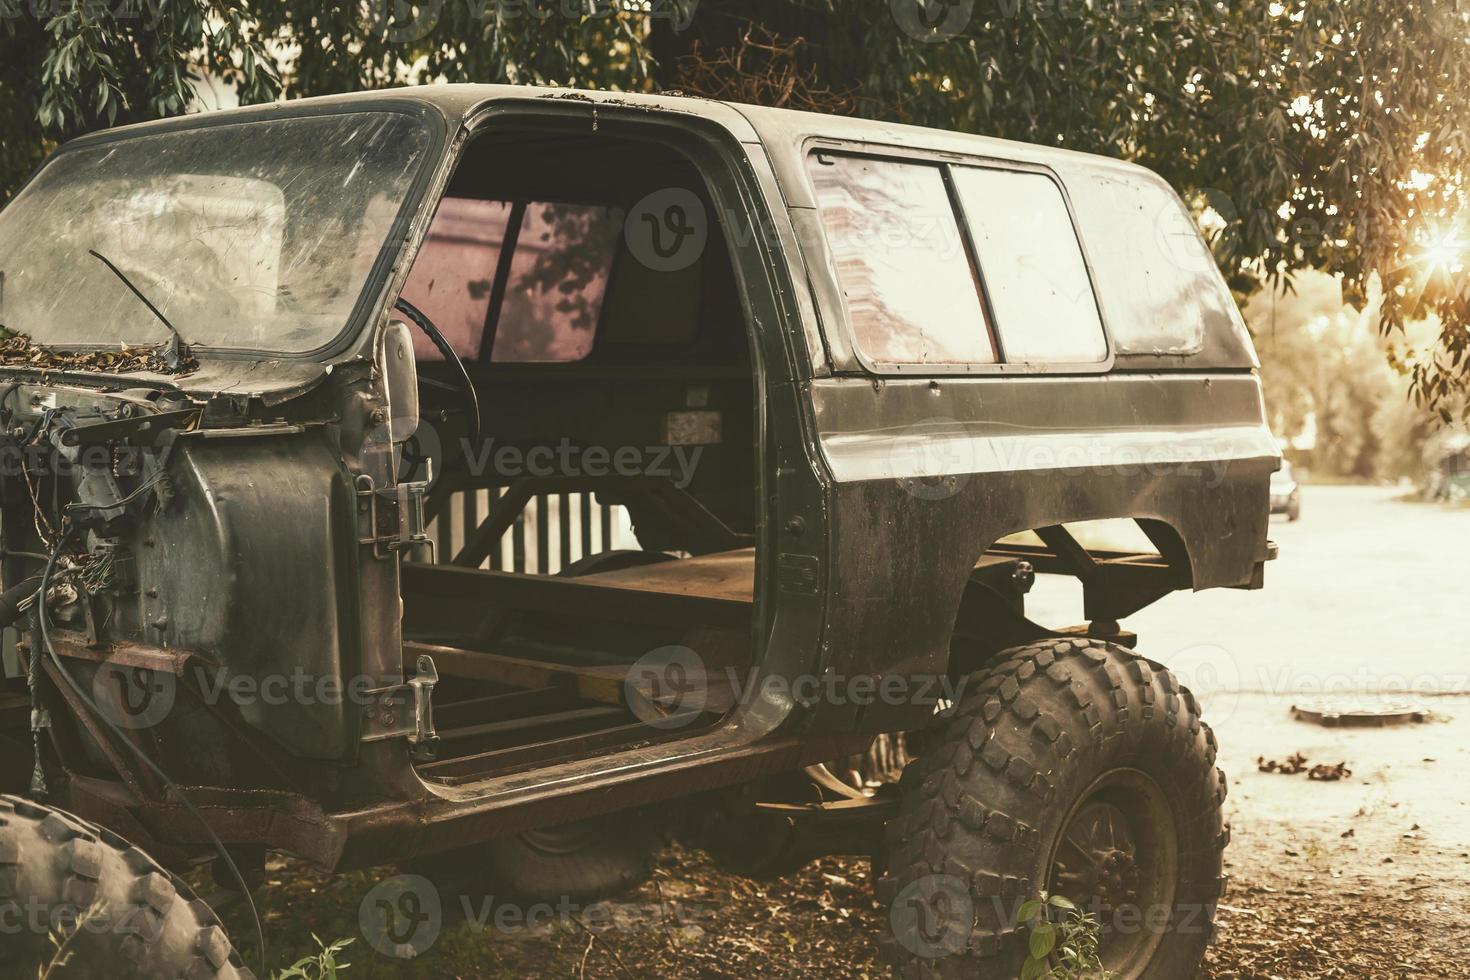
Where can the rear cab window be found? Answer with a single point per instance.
(552, 260)
(957, 267)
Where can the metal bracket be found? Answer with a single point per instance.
(393, 517)
(405, 711)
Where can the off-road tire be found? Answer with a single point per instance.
(983, 805)
(146, 923)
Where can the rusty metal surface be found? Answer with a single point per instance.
(123, 654)
(385, 832)
(877, 499)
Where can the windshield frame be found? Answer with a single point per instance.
(436, 131)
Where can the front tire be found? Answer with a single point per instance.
(1072, 766)
(125, 916)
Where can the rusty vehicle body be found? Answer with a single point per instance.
(297, 512)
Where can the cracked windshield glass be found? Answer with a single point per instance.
(257, 236)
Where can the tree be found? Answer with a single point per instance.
(1309, 134)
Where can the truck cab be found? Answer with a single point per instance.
(452, 474)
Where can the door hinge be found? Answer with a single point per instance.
(391, 519)
(405, 711)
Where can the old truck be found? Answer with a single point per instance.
(493, 478)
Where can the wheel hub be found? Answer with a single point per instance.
(1096, 862)
(1117, 850)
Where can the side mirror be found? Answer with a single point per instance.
(399, 368)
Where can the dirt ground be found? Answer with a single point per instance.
(1366, 876)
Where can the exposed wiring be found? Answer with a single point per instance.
(39, 517)
(122, 501)
(169, 784)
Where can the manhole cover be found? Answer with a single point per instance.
(1358, 712)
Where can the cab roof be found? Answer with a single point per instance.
(455, 103)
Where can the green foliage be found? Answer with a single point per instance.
(1062, 943)
(321, 965)
(1310, 135)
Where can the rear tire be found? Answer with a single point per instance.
(136, 919)
(1065, 738)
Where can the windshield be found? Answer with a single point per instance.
(256, 235)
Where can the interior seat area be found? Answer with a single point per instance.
(608, 509)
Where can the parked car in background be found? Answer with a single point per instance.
(1286, 493)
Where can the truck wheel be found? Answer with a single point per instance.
(125, 916)
(580, 862)
(1071, 766)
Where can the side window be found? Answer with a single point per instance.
(901, 261)
(1034, 272)
(1155, 275)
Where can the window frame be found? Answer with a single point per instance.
(847, 343)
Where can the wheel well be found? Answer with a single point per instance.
(1115, 584)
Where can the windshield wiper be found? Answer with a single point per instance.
(178, 349)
